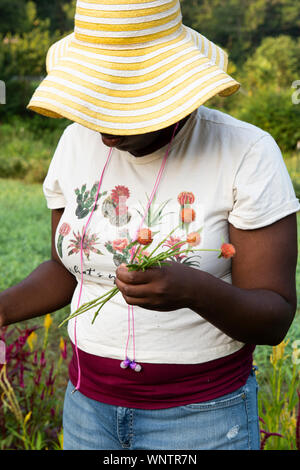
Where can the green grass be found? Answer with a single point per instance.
(27, 146)
(25, 230)
(25, 234)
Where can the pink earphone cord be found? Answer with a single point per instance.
(82, 249)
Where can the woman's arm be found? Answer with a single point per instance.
(47, 289)
(259, 306)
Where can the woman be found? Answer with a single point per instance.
(144, 152)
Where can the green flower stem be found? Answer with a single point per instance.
(161, 256)
(93, 303)
(113, 293)
(165, 239)
(100, 300)
(164, 256)
(140, 252)
(292, 388)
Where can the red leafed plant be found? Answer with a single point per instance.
(30, 414)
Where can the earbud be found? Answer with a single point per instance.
(125, 364)
(136, 367)
(132, 364)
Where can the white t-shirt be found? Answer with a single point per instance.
(236, 175)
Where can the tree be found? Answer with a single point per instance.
(57, 12)
(13, 16)
(275, 64)
(275, 113)
(24, 54)
(240, 25)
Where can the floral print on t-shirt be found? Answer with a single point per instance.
(114, 207)
(122, 250)
(64, 230)
(88, 241)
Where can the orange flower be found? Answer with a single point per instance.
(227, 250)
(187, 215)
(193, 238)
(186, 198)
(145, 236)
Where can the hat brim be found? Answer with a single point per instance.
(128, 92)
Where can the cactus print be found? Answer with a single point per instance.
(86, 199)
(114, 207)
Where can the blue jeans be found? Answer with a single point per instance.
(226, 423)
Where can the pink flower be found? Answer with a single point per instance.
(88, 244)
(50, 380)
(37, 378)
(172, 241)
(138, 250)
(35, 358)
(64, 229)
(120, 244)
(21, 376)
(42, 359)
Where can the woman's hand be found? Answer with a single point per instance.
(163, 289)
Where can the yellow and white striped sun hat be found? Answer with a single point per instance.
(130, 67)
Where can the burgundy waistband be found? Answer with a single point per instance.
(160, 386)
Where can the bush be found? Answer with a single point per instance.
(18, 94)
(31, 383)
(275, 63)
(279, 398)
(274, 112)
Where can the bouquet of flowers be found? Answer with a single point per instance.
(142, 260)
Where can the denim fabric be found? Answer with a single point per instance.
(226, 423)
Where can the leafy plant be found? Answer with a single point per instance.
(28, 385)
(274, 112)
(279, 405)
